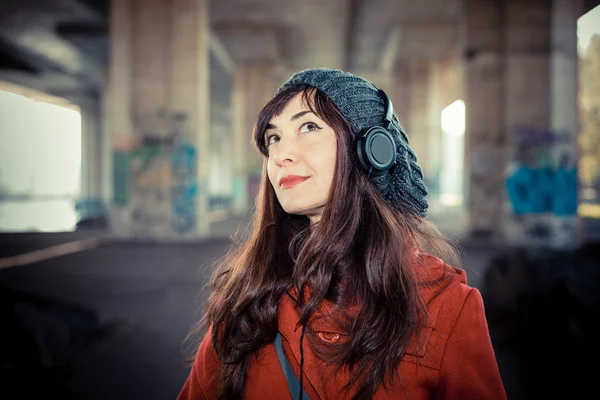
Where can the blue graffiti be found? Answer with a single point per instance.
(184, 188)
(541, 190)
(532, 135)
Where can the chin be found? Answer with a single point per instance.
(293, 208)
(299, 209)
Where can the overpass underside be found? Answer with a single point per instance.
(169, 91)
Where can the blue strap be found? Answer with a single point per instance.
(292, 381)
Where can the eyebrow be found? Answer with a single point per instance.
(294, 117)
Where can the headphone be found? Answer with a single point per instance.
(375, 145)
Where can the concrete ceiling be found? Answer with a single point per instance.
(61, 46)
(294, 32)
(349, 34)
(34, 53)
(390, 30)
(28, 27)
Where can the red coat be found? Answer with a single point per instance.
(457, 359)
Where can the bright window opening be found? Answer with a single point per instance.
(451, 180)
(40, 161)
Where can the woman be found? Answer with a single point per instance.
(336, 293)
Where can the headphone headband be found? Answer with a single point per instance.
(389, 110)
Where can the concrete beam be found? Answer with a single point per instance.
(36, 94)
(51, 83)
(31, 32)
(250, 43)
(70, 29)
(589, 5)
(73, 30)
(430, 39)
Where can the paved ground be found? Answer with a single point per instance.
(146, 297)
(152, 293)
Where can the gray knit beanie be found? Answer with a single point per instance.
(359, 102)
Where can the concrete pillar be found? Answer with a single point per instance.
(159, 118)
(435, 144)
(399, 92)
(589, 161)
(221, 184)
(522, 120)
(91, 150)
(449, 87)
(423, 123)
(118, 101)
(484, 139)
(253, 86)
(418, 120)
(241, 141)
(106, 146)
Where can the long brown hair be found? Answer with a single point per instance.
(360, 254)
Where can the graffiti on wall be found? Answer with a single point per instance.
(542, 183)
(184, 188)
(155, 174)
(150, 186)
(123, 147)
(538, 184)
(121, 189)
(540, 190)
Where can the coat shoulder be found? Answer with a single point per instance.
(444, 290)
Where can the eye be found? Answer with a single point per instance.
(270, 139)
(308, 127)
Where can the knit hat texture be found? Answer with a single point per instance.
(361, 105)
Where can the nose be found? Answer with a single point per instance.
(285, 151)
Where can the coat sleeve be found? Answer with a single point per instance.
(469, 369)
(201, 383)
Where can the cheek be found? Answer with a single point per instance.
(331, 157)
(271, 173)
(331, 169)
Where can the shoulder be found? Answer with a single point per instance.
(441, 283)
(458, 343)
(447, 297)
(202, 380)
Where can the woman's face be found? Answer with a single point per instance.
(302, 153)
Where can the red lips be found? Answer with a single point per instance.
(289, 181)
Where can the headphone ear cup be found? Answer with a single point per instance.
(360, 152)
(376, 150)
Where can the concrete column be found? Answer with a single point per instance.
(91, 150)
(117, 101)
(241, 141)
(485, 130)
(159, 119)
(221, 182)
(449, 87)
(418, 121)
(451, 81)
(589, 171)
(254, 85)
(435, 144)
(521, 120)
(261, 87)
(106, 151)
(399, 92)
